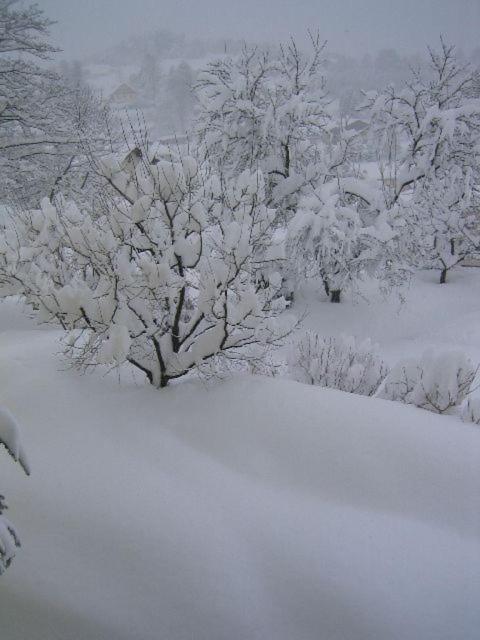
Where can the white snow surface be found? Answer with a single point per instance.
(248, 509)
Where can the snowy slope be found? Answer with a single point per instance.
(247, 509)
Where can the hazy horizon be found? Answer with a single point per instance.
(349, 26)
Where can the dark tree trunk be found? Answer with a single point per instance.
(326, 287)
(335, 295)
(443, 276)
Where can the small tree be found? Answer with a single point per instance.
(9, 438)
(336, 236)
(166, 278)
(448, 225)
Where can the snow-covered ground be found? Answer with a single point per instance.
(248, 509)
(420, 315)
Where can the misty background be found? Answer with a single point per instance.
(146, 55)
(350, 26)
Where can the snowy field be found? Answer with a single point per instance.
(248, 509)
(418, 316)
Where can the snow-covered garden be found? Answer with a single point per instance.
(198, 443)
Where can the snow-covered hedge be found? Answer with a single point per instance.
(436, 382)
(338, 363)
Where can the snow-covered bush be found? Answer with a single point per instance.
(8, 536)
(471, 410)
(337, 363)
(166, 277)
(436, 382)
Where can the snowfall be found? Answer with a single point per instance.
(248, 508)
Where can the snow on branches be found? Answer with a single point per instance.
(427, 144)
(9, 438)
(48, 127)
(435, 382)
(169, 276)
(265, 109)
(337, 363)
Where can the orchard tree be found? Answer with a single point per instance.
(333, 237)
(168, 278)
(448, 225)
(427, 135)
(267, 110)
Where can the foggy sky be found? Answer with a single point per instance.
(350, 26)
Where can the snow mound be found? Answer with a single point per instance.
(247, 509)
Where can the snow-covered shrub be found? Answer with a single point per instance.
(337, 363)
(436, 382)
(8, 536)
(471, 410)
(167, 277)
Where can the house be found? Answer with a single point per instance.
(124, 96)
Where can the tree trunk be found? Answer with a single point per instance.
(443, 276)
(326, 287)
(335, 295)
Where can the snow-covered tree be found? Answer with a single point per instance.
(427, 135)
(265, 109)
(46, 123)
(269, 109)
(332, 238)
(168, 278)
(9, 438)
(448, 224)
(69, 168)
(25, 104)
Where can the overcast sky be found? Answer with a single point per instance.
(349, 25)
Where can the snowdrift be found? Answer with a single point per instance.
(245, 509)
